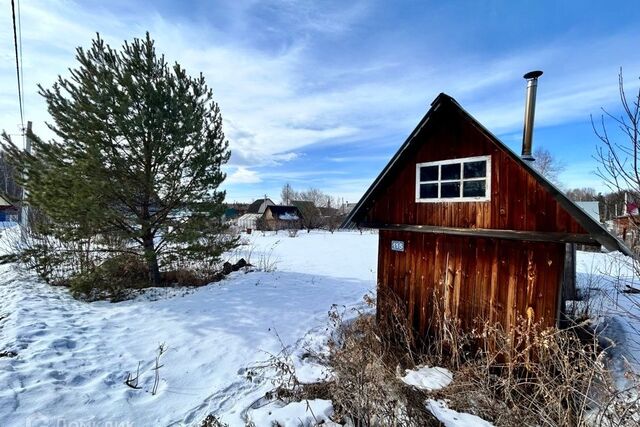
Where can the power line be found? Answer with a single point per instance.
(20, 45)
(15, 44)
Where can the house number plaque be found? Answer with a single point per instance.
(397, 245)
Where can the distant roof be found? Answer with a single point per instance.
(307, 209)
(329, 211)
(4, 202)
(230, 212)
(591, 208)
(259, 206)
(237, 205)
(304, 203)
(249, 216)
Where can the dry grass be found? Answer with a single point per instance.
(528, 376)
(532, 376)
(366, 360)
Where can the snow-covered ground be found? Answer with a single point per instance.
(604, 282)
(72, 357)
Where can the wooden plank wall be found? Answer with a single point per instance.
(471, 278)
(518, 201)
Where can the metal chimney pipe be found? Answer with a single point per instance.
(529, 113)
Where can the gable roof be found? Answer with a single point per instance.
(4, 202)
(594, 228)
(307, 209)
(257, 206)
(329, 211)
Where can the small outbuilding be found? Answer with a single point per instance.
(469, 229)
(278, 217)
(249, 221)
(8, 211)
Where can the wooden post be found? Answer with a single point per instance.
(568, 286)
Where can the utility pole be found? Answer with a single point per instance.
(24, 214)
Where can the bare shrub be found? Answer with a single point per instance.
(112, 279)
(262, 261)
(212, 421)
(53, 260)
(365, 360)
(185, 277)
(532, 375)
(267, 262)
(279, 370)
(527, 375)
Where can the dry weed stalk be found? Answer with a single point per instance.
(527, 375)
(132, 381)
(365, 356)
(156, 378)
(280, 370)
(533, 375)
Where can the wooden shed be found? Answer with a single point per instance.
(277, 217)
(464, 219)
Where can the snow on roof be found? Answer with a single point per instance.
(288, 216)
(259, 206)
(591, 208)
(285, 213)
(4, 202)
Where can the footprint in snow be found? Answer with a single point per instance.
(78, 380)
(57, 375)
(63, 344)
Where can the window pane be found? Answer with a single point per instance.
(450, 189)
(450, 171)
(474, 189)
(475, 169)
(428, 191)
(428, 173)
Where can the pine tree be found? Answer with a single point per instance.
(137, 159)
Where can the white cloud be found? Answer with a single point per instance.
(243, 175)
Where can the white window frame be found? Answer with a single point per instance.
(439, 181)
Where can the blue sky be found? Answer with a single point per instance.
(322, 93)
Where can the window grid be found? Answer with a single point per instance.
(461, 180)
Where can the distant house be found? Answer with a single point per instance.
(8, 211)
(278, 217)
(251, 215)
(626, 227)
(249, 221)
(331, 218)
(327, 212)
(311, 216)
(233, 212)
(259, 206)
(347, 207)
(230, 214)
